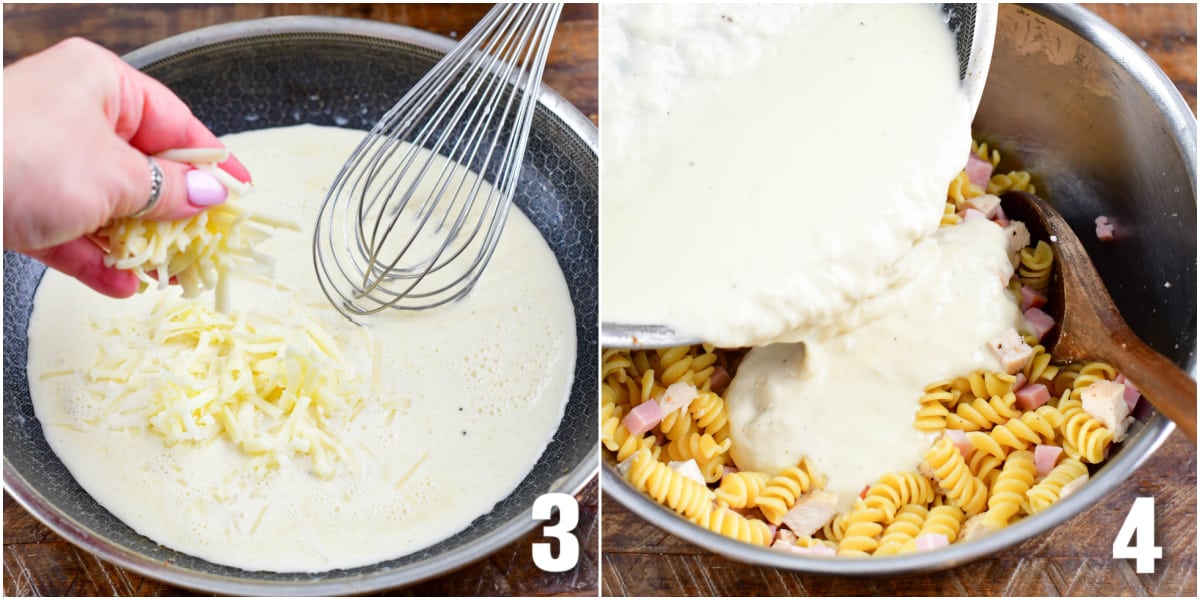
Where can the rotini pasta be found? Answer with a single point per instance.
(1047, 491)
(783, 490)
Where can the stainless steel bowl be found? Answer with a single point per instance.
(1105, 132)
(342, 72)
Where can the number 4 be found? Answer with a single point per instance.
(1139, 522)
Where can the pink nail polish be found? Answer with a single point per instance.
(204, 189)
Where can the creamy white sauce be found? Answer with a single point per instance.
(480, 386)
(847, 401)
(764, 167)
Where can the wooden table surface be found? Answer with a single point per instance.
(38, 562)
(1075, 558)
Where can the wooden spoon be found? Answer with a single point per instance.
(1088, 324)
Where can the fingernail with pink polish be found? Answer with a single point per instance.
(204, 189)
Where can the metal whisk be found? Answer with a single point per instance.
(411, 221)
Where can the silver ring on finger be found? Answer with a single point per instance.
(156, 186)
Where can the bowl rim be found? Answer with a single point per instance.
(1091, 28)
(572, 483)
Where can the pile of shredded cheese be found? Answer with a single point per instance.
(199, 252)
(277, 387)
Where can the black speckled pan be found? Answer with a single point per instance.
(342, 72)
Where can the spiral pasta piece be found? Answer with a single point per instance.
(1047, 491)
(724, 521)
(1039, 369)
(1014, 180)
(1031, 428)
(980, 414)
(741, 489)
(900, 533)
(708, 409)
(933, 407)
(615, 363)
(783, 490)
(1090, 373)
(668, 487)
(987, 384)
(945, 520)
(954, 478)
(1036, 266)
(961, 189)
(706, 451)
(610, 416)
(985, 466)
(897, 489)
(863, 526)
(1008, 493)
(1083, 436)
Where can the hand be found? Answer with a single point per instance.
(78, 125)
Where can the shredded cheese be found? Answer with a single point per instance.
(277, 388)
(200, 252)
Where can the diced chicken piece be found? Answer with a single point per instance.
(643, 418)
(688, 468)
(986, 204)
(1032, 396)
(971, 214)
(960, 440)
(785, 536)
(1072, 487)
(1012, 351)
(1105, 401)
(1104, 229)
(979, 170)
(1132, 394)
(677, 397)
(719, 380)
(931, 541)
(818, 550)
(1031, 298)
(974, 527)
(1018, 238)
(1041, 322)
(624, 466)
(1045, 457)
(811, 512)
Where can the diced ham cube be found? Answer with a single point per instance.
(643, 418)
(979, 170)
(811, 512)
(1105, 401)
(1072, 487)
(931, 541)
(1104, 229)
(677, 397)
(719, 380)
(971, 214)
(1040, 321)
(960, 440)
(1032, 396)
(1031, 298)
(729, 469)
(1018, 238)
(1045, 457)
(987, 204)
(1131, 392)
(1020, 382)
(688, 468)
(1012, 351)
(1000, 218)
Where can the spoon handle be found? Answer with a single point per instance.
(1173, 391)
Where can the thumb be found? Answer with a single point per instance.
(185, 191)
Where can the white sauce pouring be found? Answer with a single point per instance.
(482, 385)
(765, 167)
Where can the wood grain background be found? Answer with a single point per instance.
(36, 562)
(1072, 559)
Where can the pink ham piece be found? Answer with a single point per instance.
(1131, 392)
(719, 380)
(677, 397)
(1045, 457)
(960, 441)
(1104, 229)
(1031, 298)
(971, 214)
(643, 418)
(1021, 381)
(1032, 396)
(1040, 321)
(979, 171)
(931, 541)
(1000, 218)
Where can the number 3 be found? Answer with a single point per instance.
(568, 545)
(1139, 521)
